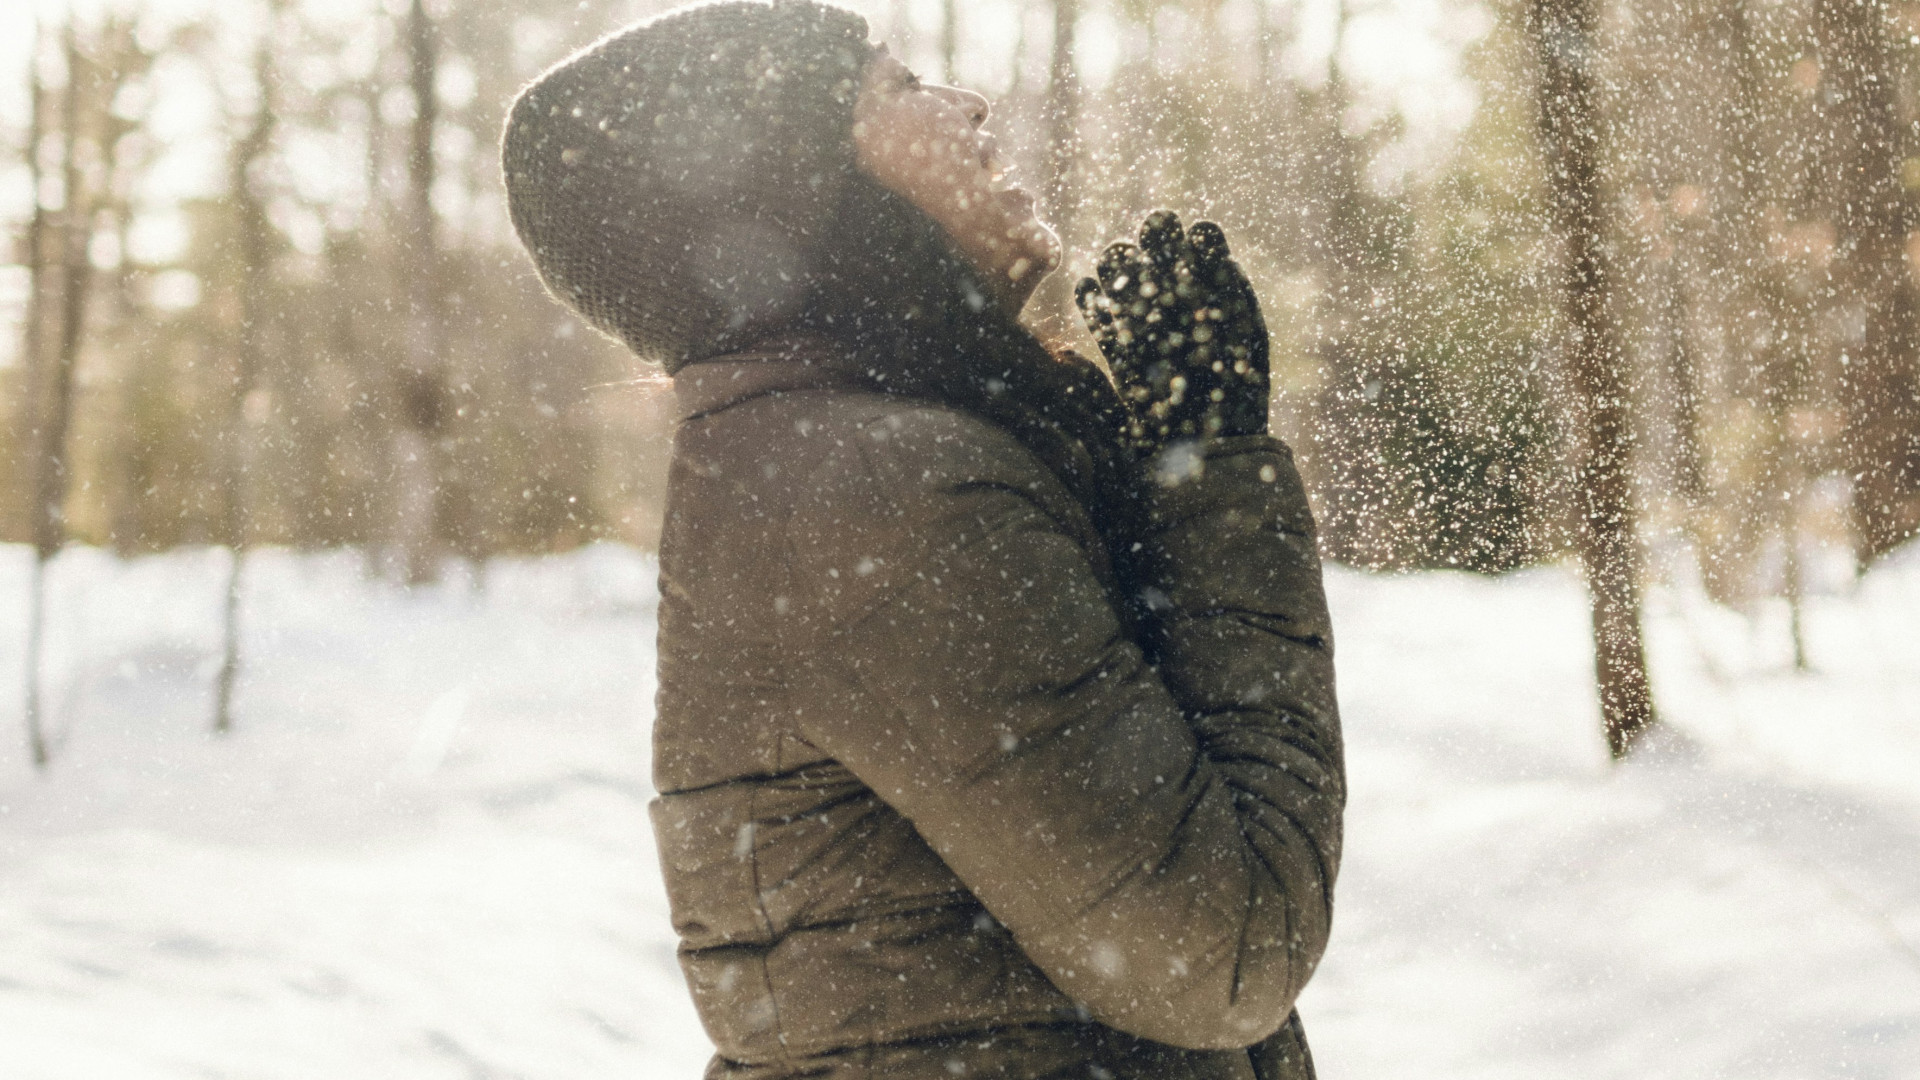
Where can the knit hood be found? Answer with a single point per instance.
(675, 181)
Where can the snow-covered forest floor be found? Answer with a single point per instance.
(425, 853)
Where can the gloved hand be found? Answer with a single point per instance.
(1182, 331)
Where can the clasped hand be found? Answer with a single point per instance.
(1182, 332)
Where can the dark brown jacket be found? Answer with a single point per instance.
(926, 811)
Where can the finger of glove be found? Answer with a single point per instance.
(1224, 279)
(1160, 289)
(1087, 297)
(1248, 388)
(1134, 287)
(1133, 335)
(1116, 262)
(1163, 238)
(1257, 325)
(1096, 312)
(1237, 342)
(1128, 275)
(1209, 243)
(1246, 324)
(1233, 305)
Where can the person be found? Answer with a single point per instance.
(996, 732)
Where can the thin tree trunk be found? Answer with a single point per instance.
(1263, 35)
(1564, 36)
(1861, 155)
(421, 389)
(56, 396)
(76, 277)
(37, 747)
(1063, 116)
(1018, 79)
(255, 253)
(33, 322)
(1796, 590)
(1690, 474)
(1342, 16)
(1782, 366)
(900, 29)
(949, 40)
(1360, 525)
(32, 347)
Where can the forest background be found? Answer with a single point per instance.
(1618, 286)
(260, 287)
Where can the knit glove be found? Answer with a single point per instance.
(1182, 332)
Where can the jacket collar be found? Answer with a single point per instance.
(776, 366)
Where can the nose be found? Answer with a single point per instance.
(971, 103)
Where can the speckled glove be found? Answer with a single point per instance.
(1182, 331)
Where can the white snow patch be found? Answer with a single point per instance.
(424, 852)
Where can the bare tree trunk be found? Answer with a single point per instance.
(76, 278)
(421, 384)
(61, 254)
(1359, 525)
(255, 253)
(32, 347)
(55, 395)
(1796, 592)
(37, 746)
(949, 40)
(1264, 41)
(33, 324)
(1017, 81)
(1782, 365)
(900, 29)
(1565, 42)
(1689, 471)
(1063, 117)
(1860, 158)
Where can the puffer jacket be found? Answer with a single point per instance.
(926, 810)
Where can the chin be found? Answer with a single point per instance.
(1027, 252)
(1047, 253)
(1040, 250)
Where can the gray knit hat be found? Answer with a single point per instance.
(673, 180)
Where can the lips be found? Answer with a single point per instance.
(1000, 179)
(989, 148)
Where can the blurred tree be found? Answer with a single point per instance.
(40, 270)
(1418, 347)
(80, 118)
(1354, 244)
(1860, 153)
(1570, 128)
(256, 244)
(1775, 323)
(949, 40)
(421, 383)
(1063, 118)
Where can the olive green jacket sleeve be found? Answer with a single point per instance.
(1161, 839)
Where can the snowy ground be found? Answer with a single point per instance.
(424, 853)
